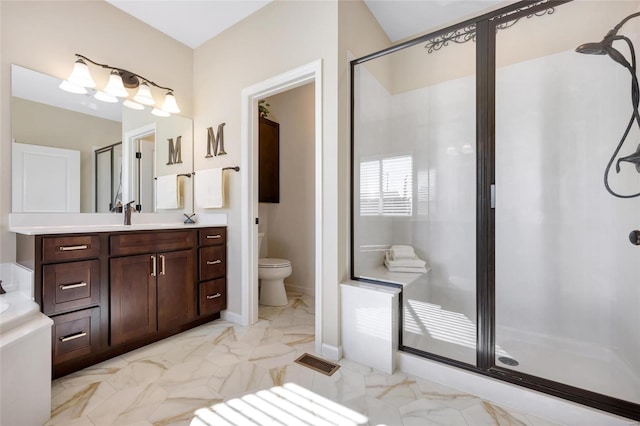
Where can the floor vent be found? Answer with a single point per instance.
(317, 364)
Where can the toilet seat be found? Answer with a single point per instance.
(272, 262)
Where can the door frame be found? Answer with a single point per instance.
(309, 73)
(128, 164)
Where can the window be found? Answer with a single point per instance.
(386, 186)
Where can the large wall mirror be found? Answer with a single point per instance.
(75, 154)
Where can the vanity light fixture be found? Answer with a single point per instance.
(119, 81)
(160, 112)
(132, 104)
(105, 97)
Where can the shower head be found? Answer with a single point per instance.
(603, 47)
(592, 48)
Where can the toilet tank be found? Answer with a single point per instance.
(260, 235)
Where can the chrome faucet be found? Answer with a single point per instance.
(127, 212)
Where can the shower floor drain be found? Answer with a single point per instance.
(508, 361)
(317, 364)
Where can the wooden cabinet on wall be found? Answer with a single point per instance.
(109, 293)
(268, 161)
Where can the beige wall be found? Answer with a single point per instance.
(290, 224)
(359, 35)
(279, 37)
(39, 124)
(44, 35)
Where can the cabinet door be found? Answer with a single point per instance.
(176, 288)
(133, 297)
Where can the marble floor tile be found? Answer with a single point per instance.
(224, 365)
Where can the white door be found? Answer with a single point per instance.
(45, 179)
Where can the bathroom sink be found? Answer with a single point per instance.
(3, 307)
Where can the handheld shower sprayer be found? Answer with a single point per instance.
(605, 47)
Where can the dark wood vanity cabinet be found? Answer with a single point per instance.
(70, 274)
(152, 290)
(109, 293)
(212, 272)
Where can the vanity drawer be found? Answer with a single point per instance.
(75, 334)
(151, 242)
(213, 236)
(72, 285)
(213, 262)
(63, 249)
(213, 296)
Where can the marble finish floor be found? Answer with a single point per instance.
(166, 382)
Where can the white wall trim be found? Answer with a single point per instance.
(231, 317)
(331, 352)
(250, 96)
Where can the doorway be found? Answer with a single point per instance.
(138, 169)
(310, 73)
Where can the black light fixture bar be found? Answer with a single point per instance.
(129, 79)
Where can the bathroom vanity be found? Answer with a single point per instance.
(114, 291)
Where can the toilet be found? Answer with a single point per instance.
(272, 272)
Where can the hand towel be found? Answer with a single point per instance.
(168, 192)
(209, 188)
(401, 252)
(415, 262)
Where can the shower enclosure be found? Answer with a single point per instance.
(483, 146)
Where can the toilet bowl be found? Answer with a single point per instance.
(272, 272)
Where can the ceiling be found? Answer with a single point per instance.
(192, 22)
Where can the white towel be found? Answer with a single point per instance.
(415, 262)
(416, 270)
(401, 252)
(209, 188)
(168, 192)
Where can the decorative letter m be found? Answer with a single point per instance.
(174, 151)
(215, 143)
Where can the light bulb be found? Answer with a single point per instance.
(143, 95)
(67, 86)
(105, 97)
(133, 105)
(160, 112)
(115, 86)
(170, 104)
(80, 75)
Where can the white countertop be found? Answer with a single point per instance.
(43, 224)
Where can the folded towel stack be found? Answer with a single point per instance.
(403, 259)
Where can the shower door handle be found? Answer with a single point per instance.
(634, 237)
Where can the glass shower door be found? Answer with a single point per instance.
(414, 162)
(567, 280)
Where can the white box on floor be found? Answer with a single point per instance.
(370, 324)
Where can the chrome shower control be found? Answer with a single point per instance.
(634, 237)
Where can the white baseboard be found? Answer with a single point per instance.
(307, 291)
(331, 352)
(232, 317)
(507, 395)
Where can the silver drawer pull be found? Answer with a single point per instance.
(213, 262)
(72, 248)
(70, 286)
(213, 237)
(213, 296)
(73, 336)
